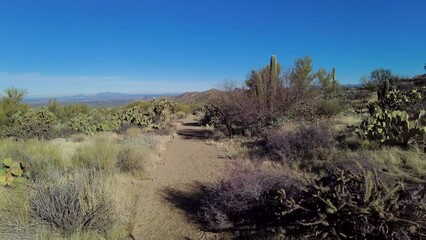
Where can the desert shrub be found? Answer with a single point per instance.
(35, 123)
(351, 203)
(99, 153)
(239, 199)
(303, 146)
(132, 158)
(329, 107)
(133, 132)
(65, 112)
(181, 115)
(73, 206)
(10, 104)
(354, 204)
(239, 114)
(267, 97)
(184, 108)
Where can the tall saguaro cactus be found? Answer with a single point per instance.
(333, 79)
(273, 81)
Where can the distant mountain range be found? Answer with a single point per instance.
(199, 97)
(99, 99)
(116, 99)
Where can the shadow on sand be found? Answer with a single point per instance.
(194, 131)
(189, 201)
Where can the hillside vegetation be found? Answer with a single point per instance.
(306, 158)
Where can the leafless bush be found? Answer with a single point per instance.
(354, 205)
(344, 203)
(239, 200)
(305, 145)
(71, 206)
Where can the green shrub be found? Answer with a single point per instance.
(182, 107)
(35, 123)
(329, 107)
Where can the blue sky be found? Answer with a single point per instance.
(63, 47)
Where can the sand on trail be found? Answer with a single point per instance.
(187, 161)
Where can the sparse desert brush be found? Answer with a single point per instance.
(121, 189)
(9, 148)
(78, 137)
(133, 158)
(70, 206)
(14, 215)
(239, 198)
(133, 132)
(346, 201)
(303, 146)
(99, 152)
(354, 203)
(181, 115)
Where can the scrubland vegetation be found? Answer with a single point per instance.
(347, 163)
(67, 172)
(314, 160)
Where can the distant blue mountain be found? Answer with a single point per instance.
(99, 99)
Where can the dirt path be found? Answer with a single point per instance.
(162, 210)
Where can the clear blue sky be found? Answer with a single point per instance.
(63, 47)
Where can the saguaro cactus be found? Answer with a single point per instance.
(273, 81)
(383, 89)
(333, 79)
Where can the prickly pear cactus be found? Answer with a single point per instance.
(394, 121)
(12, 174)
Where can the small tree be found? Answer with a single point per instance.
(376, 78)
(328, 81)
(10, 104)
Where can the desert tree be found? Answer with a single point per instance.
(376, 78)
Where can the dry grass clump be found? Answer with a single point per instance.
(69, 206)
(132, 157)
(78, 137)
(133, 132)
(14, 215)
(99, 153)
(407, 164)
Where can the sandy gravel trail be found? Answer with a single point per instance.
(188, 160)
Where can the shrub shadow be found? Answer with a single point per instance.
(191, 124)
(188, 201)
(195, 134)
